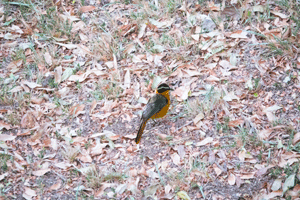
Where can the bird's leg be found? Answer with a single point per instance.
(155, 122)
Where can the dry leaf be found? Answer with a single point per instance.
(212, 78)
(57, 74)
(63, 165)
(198, 118)
(248, 175)
(2, 176)
(16, 89)
(93, 106)
(175, 158)
(264, 134)
(31, 84)
(242, 155)
(217, 169)
(272, 108)
(182, 92)
(85, 158)
(196, 37)
(205, 141)
(230, 96)
(5, 137)
(68, 46)
(281, 15)
(131, 136)
(162, 136)
(41, 172)
(183, 195)
(271, 117)
(181, 151)
(56, 186)
(30, 192)
(239, 34)
(4, 125)
(48, 58)
(295, 140)
(168, 189)
(86, 8)
(231, 179)
(276, 184)
(235, 123)
(77, 109)
(127, 79)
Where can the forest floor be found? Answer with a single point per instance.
(76, 75)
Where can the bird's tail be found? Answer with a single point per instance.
(141, 130)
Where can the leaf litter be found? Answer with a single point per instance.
(75, 78)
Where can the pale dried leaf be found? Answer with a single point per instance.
(86, 8)
(271, 117)
(41, 172)
(192, 72)
(16, 89)
(181, 151)
(248, 175)
(242, 154)
(142, 30)
(264, 134)
(199, 117)
(67, 73)
(151, 190)
(5, 137)
(4, 125)
(175, 158)
(127, 79)
(68, 46)
(231, 179)
(32, 85)
(272, 108)
(212, 78)
(56, 186)
(163, 24)
(276, 184)
(217, 170)
(296, 138)
(183, 195)
(241, 34)
(235, 123)
(131, 136)
(93, 106)
(168, 189)
(196, 37)
(121, 188)
(258, 8)
(85, 158)
(63, 165)
(48, 58)
(30, 192)
(2, 176)
(281, 15)
(205, 141)
(231, 96)
(289, 182)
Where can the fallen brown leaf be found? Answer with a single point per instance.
(41, 172)
(231, 179)
(56, 186)
(5, 137)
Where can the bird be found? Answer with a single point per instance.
(157, 107)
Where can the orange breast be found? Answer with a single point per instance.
(162, 112)
(165, 109)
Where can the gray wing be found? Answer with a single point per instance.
(155, 104)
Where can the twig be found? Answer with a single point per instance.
(183, 126)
